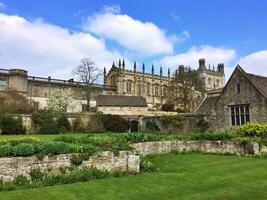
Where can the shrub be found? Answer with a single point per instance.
(212, 136)
(63, 124)
(152, 126)
(24, 149)
(253, 130)
(21, 181)
(45, 122)
(36, 174)
(147, 166)
(168, 107)
(78, 159)
(78, 125)
(55, 148)
(6, 150)
(10, 125)
(114, 123)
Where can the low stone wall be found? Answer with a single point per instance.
(14, 166)
(220, 147)
(11, 167)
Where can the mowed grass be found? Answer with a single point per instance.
(191, 176)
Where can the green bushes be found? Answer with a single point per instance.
(147, 166)
(39, 179)
(114, 123)
(78, 125)
(63, 124)
(6, 150)
(10, 125)
(253, 130)
(44, 121)
(172, 120)
(24, 149)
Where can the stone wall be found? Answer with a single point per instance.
(13, 166)
(220, 147)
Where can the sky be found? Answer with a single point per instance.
(49, 38)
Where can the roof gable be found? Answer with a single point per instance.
(255, 80)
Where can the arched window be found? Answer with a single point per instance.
(148, 88)
(165, 91)
(113, 81)
(128, 86)
(218, 82)
(209, 81)
(156, 90)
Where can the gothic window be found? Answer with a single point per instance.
(148, 88)
(2, 85)
(218, 82)
(128, 86)
(113, 80)
(240, 115)
(165, 91)
(139, 89)
(156, 90)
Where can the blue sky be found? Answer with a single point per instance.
(50, 37)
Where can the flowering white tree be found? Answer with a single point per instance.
(61, 100)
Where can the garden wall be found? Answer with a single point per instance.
(220, 147)
(14, 166)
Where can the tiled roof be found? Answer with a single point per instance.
(207, 103)
(260, 82)
(119, 100)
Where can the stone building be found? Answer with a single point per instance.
(118, 81)
(38, 89)
(155, 87)
(242, 100)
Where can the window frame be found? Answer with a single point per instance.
(239, 114)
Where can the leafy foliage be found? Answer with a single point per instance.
(253, 130)
(168, 107)
(212, 136)
(44, 121)
(172, 120)
(61, 100)
(11, 125)
(114, 123)
(63, 124)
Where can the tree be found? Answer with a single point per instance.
(184, 86)
(87, 73)
(61, 100)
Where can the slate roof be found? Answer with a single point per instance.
(207, 103)
(119, 100)
(260, 82)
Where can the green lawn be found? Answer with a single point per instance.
(191, 176)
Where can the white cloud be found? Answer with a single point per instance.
(142, 37)
(255, 63)
(2, 6)
(213, 55)
(45, 49)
